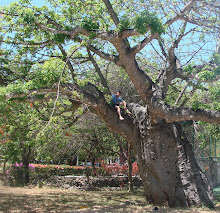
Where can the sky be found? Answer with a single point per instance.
(34, 2)
(210, 46)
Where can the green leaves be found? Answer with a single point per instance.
(17, 122)
(188, 69)
(28, 16)
(124, 24)
(60, 38)
(89, 24)
(206, 74)
(147, 19)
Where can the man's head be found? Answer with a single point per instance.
(118, 93)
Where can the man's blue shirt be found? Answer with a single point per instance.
(116, 100)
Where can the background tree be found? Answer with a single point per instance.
(127, 33)
(95, 141)
(18, 132)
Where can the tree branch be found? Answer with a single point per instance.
(66, 59)
(111, 11)
(29, 43)
(179, 73)
(103, 80)
(161, 44)
(148, 39)
(176, 114)
(129, 32)
(92, 97)
(181, 94)
(112, 58)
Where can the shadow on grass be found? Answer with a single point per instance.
(57, 200)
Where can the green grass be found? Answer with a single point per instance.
(34, 199)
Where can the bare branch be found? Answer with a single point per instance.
(181, 94)
(66, 59)
(111, 11)
(112, 58)
(157, 52)
(143, 43)
(177, 41)
(103, 80)
(161, 44)
(30, 43)
(148, 39)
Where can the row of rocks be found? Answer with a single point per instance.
(83, 182)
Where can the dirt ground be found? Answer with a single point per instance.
(42, 200)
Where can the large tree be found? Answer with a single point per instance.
(159, 45)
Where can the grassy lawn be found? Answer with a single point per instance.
(34, 199)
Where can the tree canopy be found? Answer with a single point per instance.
(166, 53)
(79, 33)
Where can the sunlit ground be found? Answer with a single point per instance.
(34, 199)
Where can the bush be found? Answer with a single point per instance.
(16, 173)
(117, 169)
(62, 170)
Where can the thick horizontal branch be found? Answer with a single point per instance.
(96, 100)
(129, 32)
(79, 30)
(41, 95)
(176, 114)
(90, 96)
(93, 97)
(76, 30)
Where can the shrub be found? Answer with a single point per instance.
(117, 169)
(62, 170)
(16, 173)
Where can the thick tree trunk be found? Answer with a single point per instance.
(168, 167)
(165, 158)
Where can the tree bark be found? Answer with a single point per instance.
(166, 162)
(167, 166)
(25, 160)
(4, 167)
(165, 158)
(130, 182)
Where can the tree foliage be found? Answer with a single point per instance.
(68, 50)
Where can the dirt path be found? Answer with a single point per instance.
(41, 200)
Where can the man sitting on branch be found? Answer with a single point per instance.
(116, 102)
